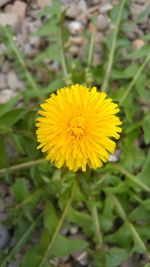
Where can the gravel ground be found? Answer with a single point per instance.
(22, 17)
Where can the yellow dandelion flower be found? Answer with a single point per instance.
(76, 126)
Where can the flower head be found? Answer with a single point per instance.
(76, 127)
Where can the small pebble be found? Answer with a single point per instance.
(6, 67)
(137, 44)
(77, 40)
(65, 264)
(3, 216)
(113, 158)
(19, 8)
(4, 236)
(3, 83)
(105, 8)
(73, 230)
(75, 26)
(9, 19)
(74, 50)
(34, 41)
(97, 59)
(136, 9)
(81, 257)
(99, 38)
(6, 95)
(43, 3)
(102, 22)
(13, 81)
(76, 10)
(14, 264)
(1, 204)
(8, 8)
(4, 2)
(2, 60)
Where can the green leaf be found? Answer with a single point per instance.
(146, 129)
(50, 218)
(48, 28)
(129, 72)
(81, 219)
(11, 117)
(121, 237)
(143, 15)
(106, 222)
(54, 9)
(4, 108)
(20, 189)
(31, 258)
(144, 174)
(139, 53)
(17, 141)
(141, 87)
(139, 213)
(115, 256)
(64, 246)
(144, 231)
(51, 53)
(3, 159)
(54, 85)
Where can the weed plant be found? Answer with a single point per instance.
(111, 205)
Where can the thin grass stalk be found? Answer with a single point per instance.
(113, 47)
(20, 241)
(20, 166)
(22, 63)
(67, 77)
(88, 74)
(129, 88)
(122, 214)
(60, 223)
(96, 222)
(131, 177)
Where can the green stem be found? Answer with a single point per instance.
(60, 223)
(63, 59)
(131, 177)
(22, 63)
(113, 47)
(129, 88)
(91, 47)
(88, 73)
(133, 230)
(22, 166)
(20, 241)
(96, 223)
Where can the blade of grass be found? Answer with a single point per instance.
(96, 222)
(67, 77)
(129, 88)
(21, 166)
(122, 214)
(59, 225)
(131, 177)
(22, 63)
(20, 241)
(88, 73)
(113, 47)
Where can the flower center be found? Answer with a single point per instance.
(77, 127)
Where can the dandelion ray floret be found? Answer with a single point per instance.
(75, 127)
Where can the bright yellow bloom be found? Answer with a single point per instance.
(76, 126)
